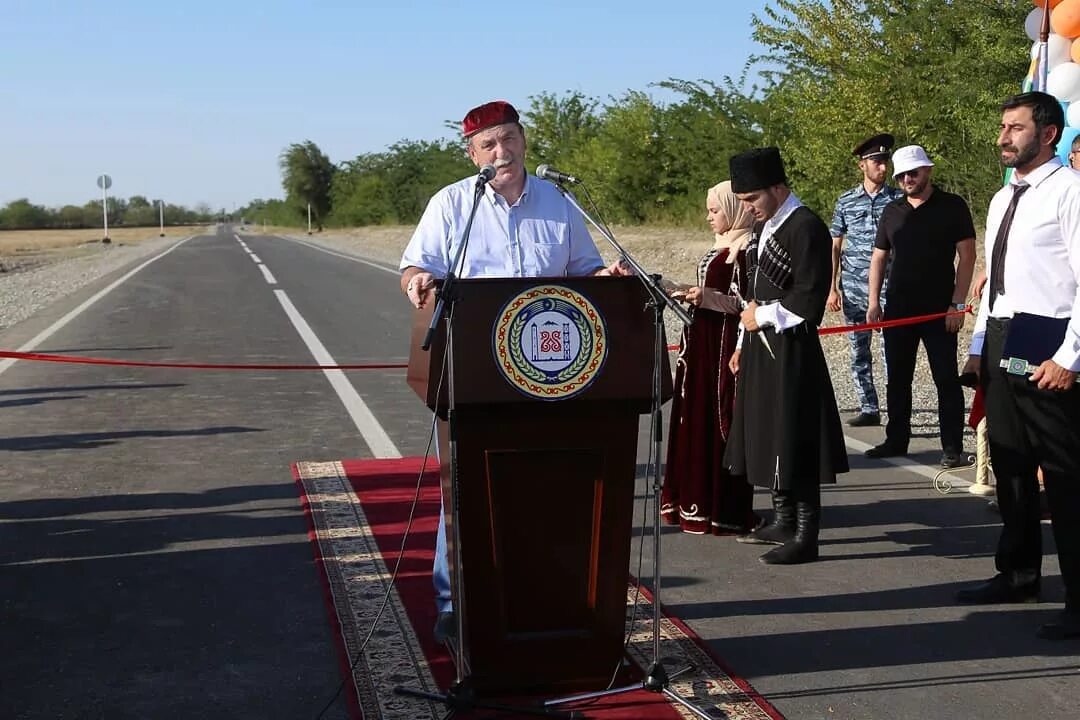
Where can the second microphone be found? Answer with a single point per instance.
(547, 172)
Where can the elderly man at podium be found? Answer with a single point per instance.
(524, 227)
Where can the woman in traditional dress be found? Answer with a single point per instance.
(699, 494)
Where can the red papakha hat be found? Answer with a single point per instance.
(488, 115)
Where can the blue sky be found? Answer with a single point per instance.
(192, 101)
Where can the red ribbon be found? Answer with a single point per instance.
(81, 360)
(890, 323)
(837, 329)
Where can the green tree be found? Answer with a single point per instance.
(557, 128)
(21, 214)
(701, 132)
(306, 175)
(368, 200)
(361, 194)
(416, 169)
(270, 212)
(142, 216)
(395, 186)
(932, 72)
(623, 157)
(71, 216)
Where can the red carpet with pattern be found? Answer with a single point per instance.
(358, 511)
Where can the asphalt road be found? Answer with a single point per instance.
(154, 561)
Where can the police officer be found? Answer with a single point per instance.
(855, 220)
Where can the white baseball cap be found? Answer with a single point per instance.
(909, 157)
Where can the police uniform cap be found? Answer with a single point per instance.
(877, 146)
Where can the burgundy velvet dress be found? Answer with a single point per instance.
(699, 494)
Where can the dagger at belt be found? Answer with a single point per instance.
(742, 306)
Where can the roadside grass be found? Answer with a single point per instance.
(38, 242)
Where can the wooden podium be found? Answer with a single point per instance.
(546, 486)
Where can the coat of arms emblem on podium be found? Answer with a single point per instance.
(550, 342)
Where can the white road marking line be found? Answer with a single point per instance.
(373, 433)
(346, 256)
(49, 331)
(905, 463)
(267, 275)
(255, 258)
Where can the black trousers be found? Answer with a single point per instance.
(1030, 428)
(901, 345)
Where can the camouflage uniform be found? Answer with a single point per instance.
(856, 219)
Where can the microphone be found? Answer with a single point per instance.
(549, 173)
(486, 174)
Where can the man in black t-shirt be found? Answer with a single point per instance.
(924, 232)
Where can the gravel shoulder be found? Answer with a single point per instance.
(31, 283)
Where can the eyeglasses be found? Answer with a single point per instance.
(906, 173)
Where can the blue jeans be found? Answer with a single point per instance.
(862, 358)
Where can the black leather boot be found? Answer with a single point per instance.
(803, 547)
(782, 527)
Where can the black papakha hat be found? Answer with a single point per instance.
(877, 146)
(756, 169)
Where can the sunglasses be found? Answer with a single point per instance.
(906, 173)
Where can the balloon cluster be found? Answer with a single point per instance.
(1062, 60)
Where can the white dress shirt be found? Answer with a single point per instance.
(1042, 265)
(539, 235)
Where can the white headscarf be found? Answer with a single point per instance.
(738, 235)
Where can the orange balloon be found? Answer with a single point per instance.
(1065, 18)
(1053, 3)
(1074, 51)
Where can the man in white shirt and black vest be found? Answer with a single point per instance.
(1026, 350)
(785, 433)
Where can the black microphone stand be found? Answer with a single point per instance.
(657, 679)
(461, 696)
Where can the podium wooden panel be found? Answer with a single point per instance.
(546, 491)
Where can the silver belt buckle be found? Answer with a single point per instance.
(1017, 366)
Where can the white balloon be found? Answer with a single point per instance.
(1063, 82)
(1072, 115)
(1058, 50)
(1033, 23)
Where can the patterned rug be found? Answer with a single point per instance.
(358, 513)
